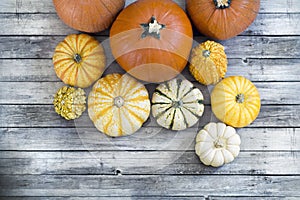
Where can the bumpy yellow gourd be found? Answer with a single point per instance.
(208, 63)
(70, 102)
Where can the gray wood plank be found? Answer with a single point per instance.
(103, 198)
(251, 198)
(37, 70)
(45, 116)
(145, 162)
(50, 24)
(149, 185)
(147, 138)
(239, 47)
(36, 6)
(43, 92)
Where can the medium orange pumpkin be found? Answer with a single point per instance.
(152, 39)
(88, 15)
(222, 19)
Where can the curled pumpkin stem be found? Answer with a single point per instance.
(222, 3)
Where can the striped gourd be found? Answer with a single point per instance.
(235, 101)
(177, 104)
(118, 105)
(79, 60)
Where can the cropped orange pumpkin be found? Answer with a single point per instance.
(222, 19)
(88, 15)
(152, 39)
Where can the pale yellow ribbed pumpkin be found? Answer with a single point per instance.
(79, 60)
(118, 105)
(235, 101)
(217, 144)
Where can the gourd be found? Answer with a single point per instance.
(118, 105)
(208, 63)
(235, 101)
(222, 19)
(177, 104)
(88, 15)
(217, 144)
(69, 102)
(79, 60)
(152, 39)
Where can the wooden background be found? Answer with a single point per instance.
(42, 156)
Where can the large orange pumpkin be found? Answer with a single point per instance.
(88, 15)
(152, 39)
(222, 19)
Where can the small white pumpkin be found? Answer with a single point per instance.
(217, 144)
(177, 104)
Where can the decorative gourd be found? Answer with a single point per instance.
(177, 104)
(235, 101)
(118, 105)
(88, 15)
(222, 19)
(152, 39)
(217, 144)
(208, 63)
(79, 60)
(69, 102)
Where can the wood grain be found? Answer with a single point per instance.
(146, 139)
(145, 162)
(149, 185)
(45, 116)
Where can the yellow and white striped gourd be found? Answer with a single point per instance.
(118, 105)
(217, 144)
(177, 104)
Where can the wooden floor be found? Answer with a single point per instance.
(43, 156)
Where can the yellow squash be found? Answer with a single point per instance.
(235, 101)
(208, 63)
(118, 105)
(79, 60)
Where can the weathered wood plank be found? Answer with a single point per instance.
(239, 47)
(252, 198)
(147, 138)
(22, 92)
(145, 162)
(50, 24)
(103, 198)
(36, 6)
(45, 116)
(149, 185)
(37, 70)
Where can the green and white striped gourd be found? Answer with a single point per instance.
(177, 104)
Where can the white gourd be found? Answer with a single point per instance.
(217, 144)
(177, 104)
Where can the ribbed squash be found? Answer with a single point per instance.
(235, 101)
(118, 105)
(217, 144)
(79, 60)
(177, 104)
(208, 62)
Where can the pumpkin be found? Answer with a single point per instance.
(208, 62)
(217, 144)
(118, 105)
(177, 104)
(88, 15)
(79, 60)
(235, 101)
(222, 19)
(152, 39)
(69, 102)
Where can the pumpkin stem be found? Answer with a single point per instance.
(77, 58)
(219, 143)
(206, 53)
(221, 4)
(119, 101)
(177, 104)
(240, 98)
(152, 28)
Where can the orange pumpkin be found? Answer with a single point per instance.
(152, 39)
(222, 19)
(88, 15)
